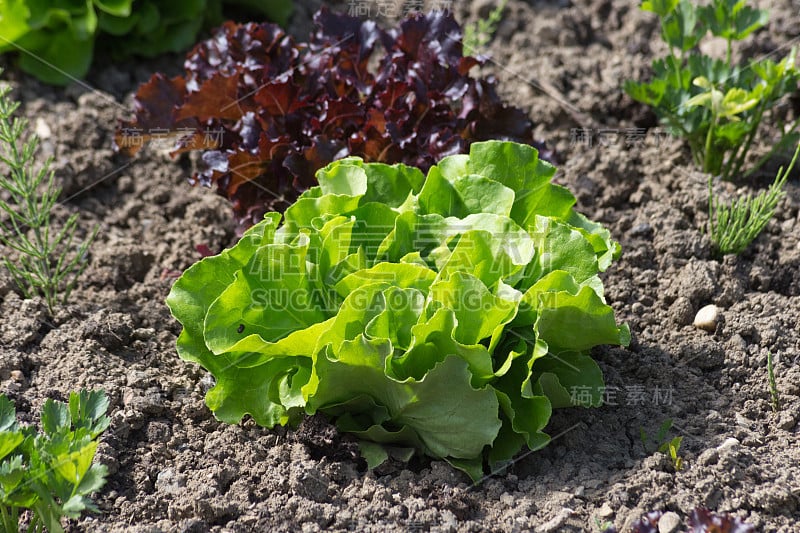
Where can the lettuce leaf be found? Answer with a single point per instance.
(446, 316)
(267, 112)
(56, 40)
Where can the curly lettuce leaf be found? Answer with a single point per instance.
(56, 40)
(446, 316)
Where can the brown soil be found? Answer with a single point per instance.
(173, 467)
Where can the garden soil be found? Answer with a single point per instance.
(173, 467)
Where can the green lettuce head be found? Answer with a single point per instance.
(446, 314)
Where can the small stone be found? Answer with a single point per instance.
(669, 522)
(144, 334)
(169, 482)
(507, 499)
(17, 376)
(641, 230)
(787, 421)
(743, 421)
(42, 129)
(605, 511)
(729, 445)
(707, 318)
(708, 457)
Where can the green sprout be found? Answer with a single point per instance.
(49, 260)
(50, 472)
(661, 444)
(734, 226)
(478, 34)
(724, 107)
(773, 386)
(717, 106)
(603, 525)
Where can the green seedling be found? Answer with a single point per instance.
(49, 260)
(50, 472)
(669, 447)
(663, 430)
(732, 227)
(732, 20)
(725, 108)
(773, 385)
(478, 34)
(715, 105)
(603, 525)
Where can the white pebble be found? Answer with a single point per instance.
(669, 522)
(605, 511)
(707, 318)
(729, 445)
(42, 130)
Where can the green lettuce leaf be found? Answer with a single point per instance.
(56, 40)
(445, 315)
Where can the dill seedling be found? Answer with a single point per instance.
(734, 226)
(49, 260)
(478, 34)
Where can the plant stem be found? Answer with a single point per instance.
(711, 213)
(9, 525)
(766, 157)
(33, 524)
(676, 63)
(738, 158)
(730, 52)
(773, 386)
(46, 257)
(707, 154)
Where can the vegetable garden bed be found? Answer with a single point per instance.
(173, 467)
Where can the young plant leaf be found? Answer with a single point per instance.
(58, 39)
(88, 410)
(448, 327)
(680, 28)
(55, 418)
(662, 8)
(269, 116)
(49, 473)
(699, 98)
(8, 421)
(732, 19)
